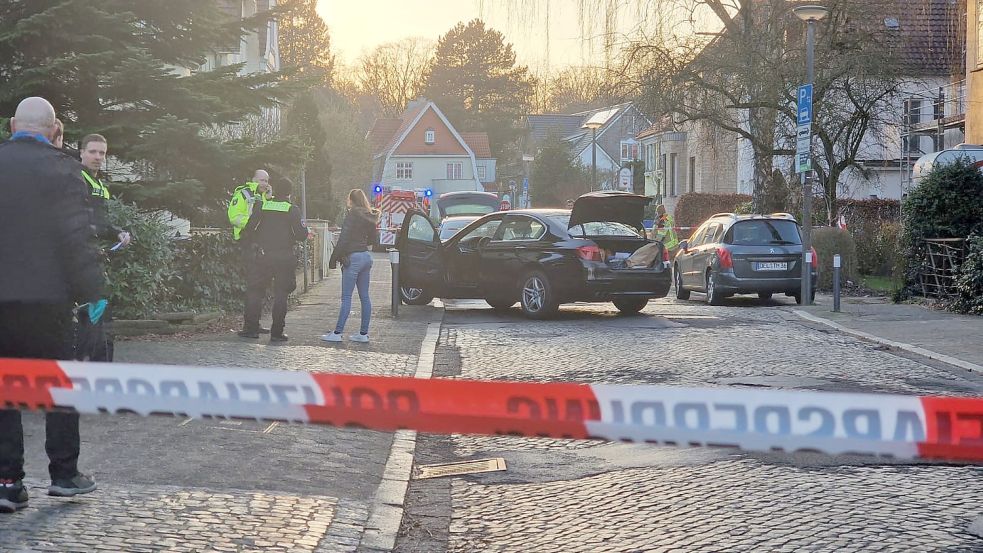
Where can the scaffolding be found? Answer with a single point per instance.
(948, 112)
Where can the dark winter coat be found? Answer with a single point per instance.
(358, 234)
(47, 249)
(275, 232)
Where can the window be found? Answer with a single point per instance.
(673, 166)
(662, 176)
(629, 151)
(692, 174)
(420, 229)
(430, 136)
(454, 170)
(404, 169)
(763, 233)
(714, 231)
(650, 157)
(522, 228)
(481, 172)
(486, 229)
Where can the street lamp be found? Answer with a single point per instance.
(593, 124)
(810, 14)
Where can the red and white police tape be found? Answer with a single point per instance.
(761, 420)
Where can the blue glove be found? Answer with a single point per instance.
(96, 310)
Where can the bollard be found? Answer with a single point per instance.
(394, 265)
(836, 283)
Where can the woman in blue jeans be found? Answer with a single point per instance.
(358, 235)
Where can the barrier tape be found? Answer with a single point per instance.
(906, 427)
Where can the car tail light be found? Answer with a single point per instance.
(815, 259)
(665, 254)
(724, 258)
(590, 253)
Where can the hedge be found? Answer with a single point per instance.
(828, 242)
(694, 208)
(969, 282)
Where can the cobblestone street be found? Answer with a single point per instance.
(583, 496)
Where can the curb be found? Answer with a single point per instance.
(382, 526)
(891, 343)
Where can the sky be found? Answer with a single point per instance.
(359, 25)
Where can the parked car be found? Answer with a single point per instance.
(449, 226)
(538, 257)
(454, 204)
(743, 254)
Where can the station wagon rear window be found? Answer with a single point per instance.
(763, 232)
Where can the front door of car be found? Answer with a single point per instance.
(421, 263)
(686, 259)
(465, 257)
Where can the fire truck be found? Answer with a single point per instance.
(393, 205)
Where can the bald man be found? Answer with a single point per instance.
(49, 264)
(241, 206)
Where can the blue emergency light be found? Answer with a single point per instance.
(428, 192)
(377, 189)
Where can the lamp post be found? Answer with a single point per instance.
(593, 125)
(810, 14)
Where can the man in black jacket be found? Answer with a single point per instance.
(49, 263)
(273, 228)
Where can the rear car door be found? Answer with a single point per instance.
(516, 244)
(765, 248)
(420, 254)
(686, 259)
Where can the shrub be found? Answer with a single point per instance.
(969, 283)
(877, 249)
(694, 208)
(829, 241)
(947, 204)
(140, 276)
(209, 273)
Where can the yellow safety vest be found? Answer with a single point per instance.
(241, 207)
(96, 187)
(667, 234)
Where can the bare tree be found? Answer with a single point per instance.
(577, 89)
(392, 73)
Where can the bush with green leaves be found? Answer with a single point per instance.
(209, 273)
(140, 276)
(948, 203)
(828, 242)
(969, 283)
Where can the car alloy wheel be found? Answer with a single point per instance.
(537, 296)
(534, 294)
(681, 293)
(412, 293)
(713, 294)
(414, 296)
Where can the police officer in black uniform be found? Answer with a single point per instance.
(273, 228)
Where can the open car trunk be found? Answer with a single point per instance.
(625, 253)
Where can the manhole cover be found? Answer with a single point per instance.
(463, 467)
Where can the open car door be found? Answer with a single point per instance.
(421, 264)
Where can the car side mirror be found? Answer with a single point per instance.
(684, 245)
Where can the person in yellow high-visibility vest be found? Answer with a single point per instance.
(665, 231)
(245, 198)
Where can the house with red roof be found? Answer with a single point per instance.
(421, 149)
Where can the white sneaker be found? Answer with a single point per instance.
(364, 338)
(332, 337)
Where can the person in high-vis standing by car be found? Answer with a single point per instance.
(244, 202)
(665, 230)
(49, 263)
(273, 229)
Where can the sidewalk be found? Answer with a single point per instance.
(235, 485)
(941, 335)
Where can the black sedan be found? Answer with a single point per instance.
(539, 257)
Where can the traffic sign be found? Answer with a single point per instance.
(505, 205)
(804, 110)
(525, 185)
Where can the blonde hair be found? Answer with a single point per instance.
(357, 198)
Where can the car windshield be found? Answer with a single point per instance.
(468, 209)
(763, 232)
(597, 228)
(448, 231)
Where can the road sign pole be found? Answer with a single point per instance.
(806, 290)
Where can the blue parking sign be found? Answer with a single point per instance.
(804, 109)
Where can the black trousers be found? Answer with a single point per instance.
(93, 342)
(38, 331)
(281, 271)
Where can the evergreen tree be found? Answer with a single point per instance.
(305, 45)
(137, 73)
(556, 176)
(474, 80)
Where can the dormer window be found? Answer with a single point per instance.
(429, 136)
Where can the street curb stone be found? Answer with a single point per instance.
(891, 343)
(382, 527)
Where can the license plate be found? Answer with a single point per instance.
(774, 266)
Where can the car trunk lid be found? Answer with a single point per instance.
(609, 206)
